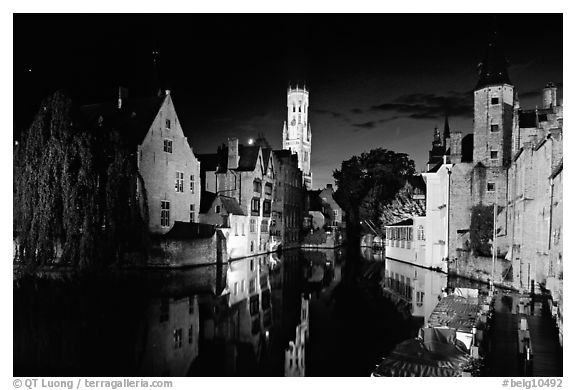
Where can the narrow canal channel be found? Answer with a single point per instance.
(233, 319)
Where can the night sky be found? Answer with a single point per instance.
(375, 80)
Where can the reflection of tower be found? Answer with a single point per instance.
(294, 359)
(297, 134)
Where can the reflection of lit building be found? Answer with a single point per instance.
(294, 357)
(405, 241)
(249, 289)
(418, 288)
(172, 337)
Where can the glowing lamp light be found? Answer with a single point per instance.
(250, 141)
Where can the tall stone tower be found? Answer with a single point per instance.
(494, 100)
(297, 133)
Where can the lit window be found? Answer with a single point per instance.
(491, 187)
(192, 183)
(178, 338)
(494, 100)
(168, 145)
(179, 183)
(493, 154)
(192, 213)
(164, 213)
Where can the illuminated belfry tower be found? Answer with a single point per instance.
(297, 134)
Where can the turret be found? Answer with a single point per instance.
(549, 96)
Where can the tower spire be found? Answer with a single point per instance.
(493, 69)
(446, 127)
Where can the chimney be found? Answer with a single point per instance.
(549, 95)
(455, 146)
(233, 155)
(122, 95)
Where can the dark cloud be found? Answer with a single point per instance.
(334, 114)
(430, 106)
(372, 124)
(366, 125)
(356, 111)
(530, 94)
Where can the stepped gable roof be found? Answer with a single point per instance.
(406, 222)
(527, 119)
(206, 201)
(133, 120)
(231, 205)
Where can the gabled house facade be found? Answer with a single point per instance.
(169, 170)
(247, 174)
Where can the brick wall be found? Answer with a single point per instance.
(180, 252)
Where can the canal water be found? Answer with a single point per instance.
(236, 319)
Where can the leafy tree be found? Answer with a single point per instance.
(75, 197)
(368, 181)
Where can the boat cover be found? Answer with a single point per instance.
(416, 357)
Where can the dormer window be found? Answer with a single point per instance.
(168, 123)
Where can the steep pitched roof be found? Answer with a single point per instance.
(132, 121)
(190, 230)
(248, 157)
(528, 119)
(206, 201)
(468, 148)
(493, 69)
(209, 162)
(314, 199)
(231, 205)
(266, 152)
(558, 169)
(406, 222)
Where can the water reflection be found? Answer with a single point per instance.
(300, 312)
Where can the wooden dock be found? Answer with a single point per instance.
(504, 358)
